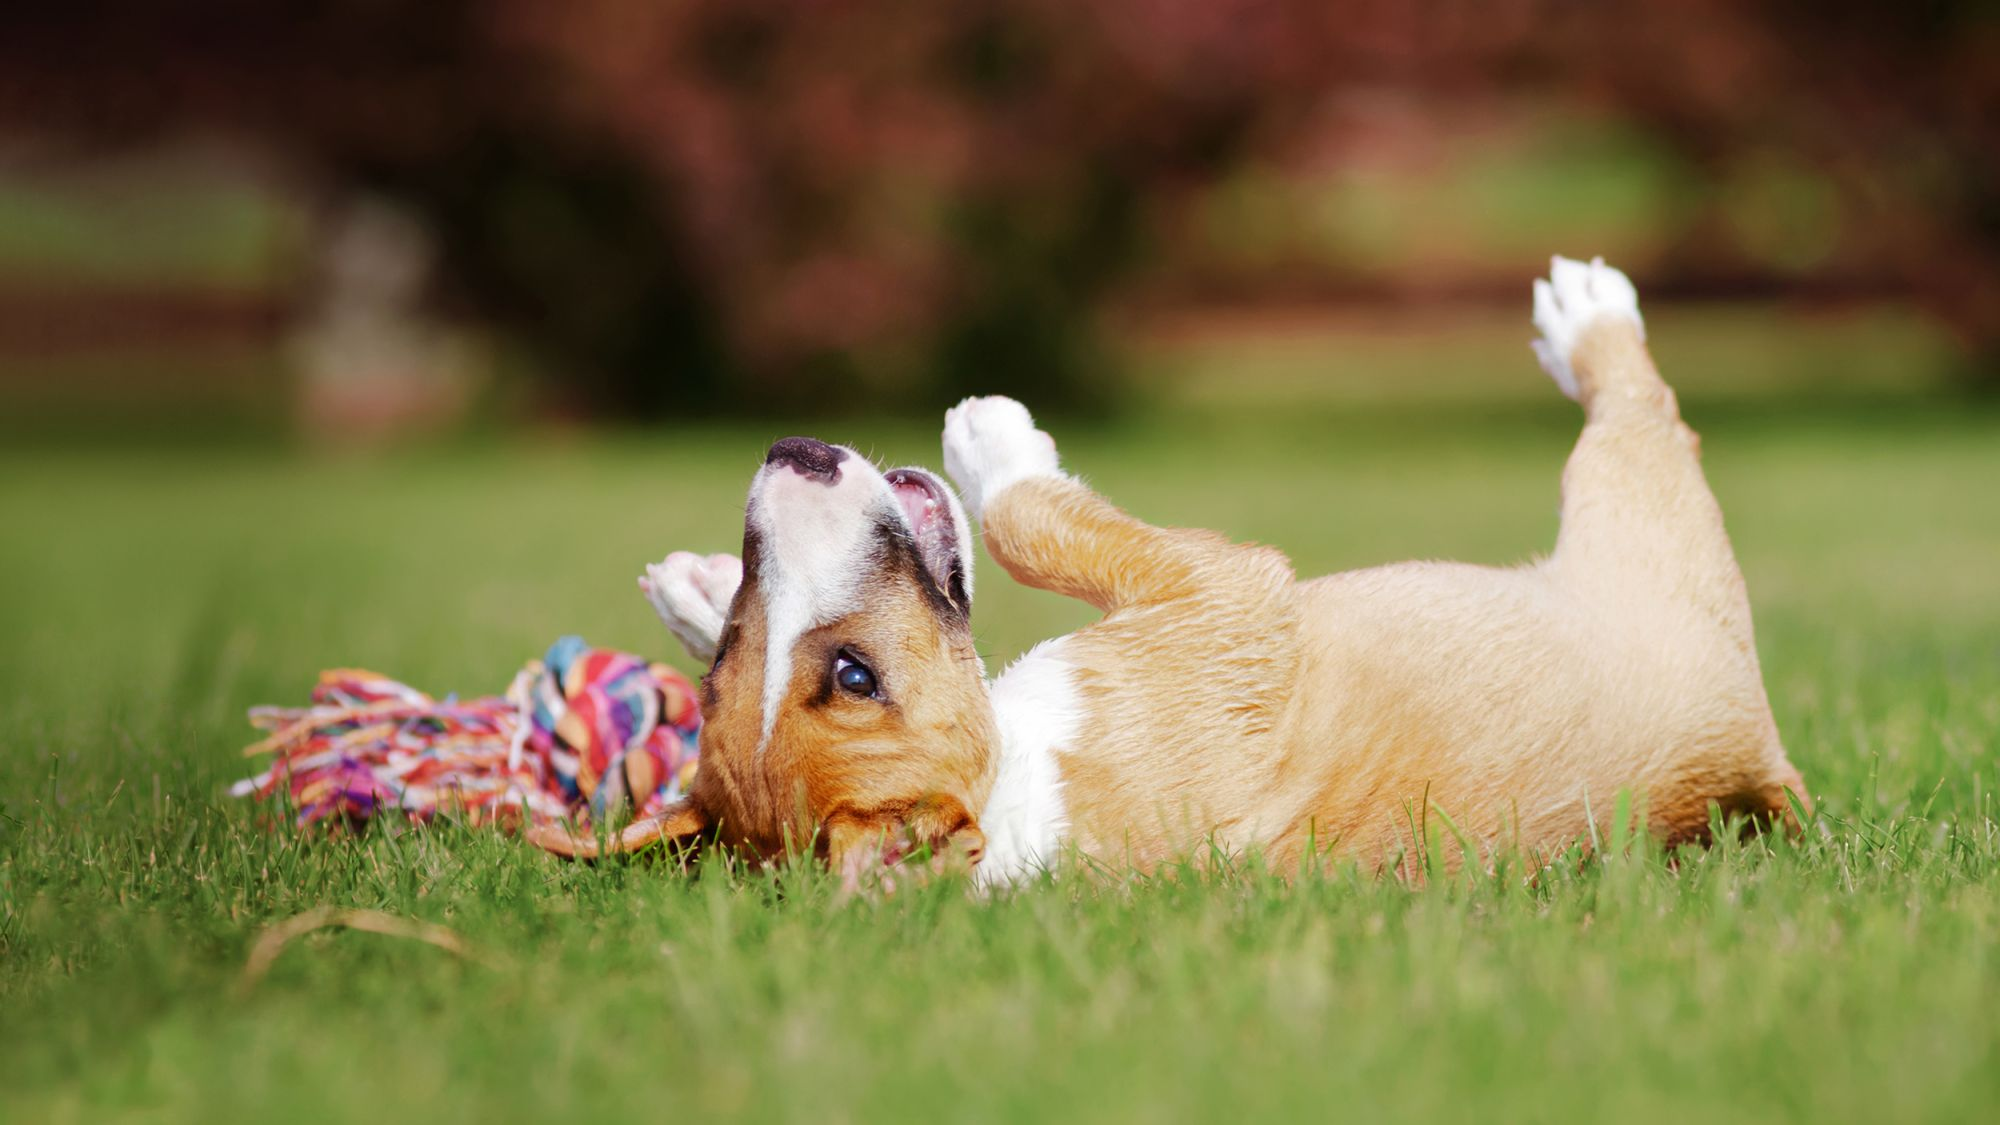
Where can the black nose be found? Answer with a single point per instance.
(808, 457)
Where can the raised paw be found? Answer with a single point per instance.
(990, 443)
(1573, 297)
(692, 595)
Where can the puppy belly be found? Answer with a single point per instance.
(1488, 695)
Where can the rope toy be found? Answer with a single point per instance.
(581, 735)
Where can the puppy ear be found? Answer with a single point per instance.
(681, 821)
(859, 842)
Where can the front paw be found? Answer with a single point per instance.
(692, 595)
(990, 443)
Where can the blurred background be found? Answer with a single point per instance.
(402, 335)
(353, 220)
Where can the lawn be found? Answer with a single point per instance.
(155, 593)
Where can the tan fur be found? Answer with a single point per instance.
(1223, 698)
(854, 780)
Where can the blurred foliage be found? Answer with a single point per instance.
(740, 203)
(212, 235)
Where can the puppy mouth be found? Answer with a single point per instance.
(928, 514)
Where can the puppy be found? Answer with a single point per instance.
(847, 709)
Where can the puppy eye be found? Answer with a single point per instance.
(852, 676)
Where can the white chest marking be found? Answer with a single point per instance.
(1038, 712)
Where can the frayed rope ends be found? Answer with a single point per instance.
(580, 736)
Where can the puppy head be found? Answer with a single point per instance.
(846, 705)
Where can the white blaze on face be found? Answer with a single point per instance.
(815, 541)
(820, 514)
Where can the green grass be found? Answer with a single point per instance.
(151, 596)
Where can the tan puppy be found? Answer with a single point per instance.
(846, 704)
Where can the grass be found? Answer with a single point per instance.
(154, 594)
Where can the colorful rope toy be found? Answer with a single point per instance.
(581, 735)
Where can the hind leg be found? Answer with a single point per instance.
(1642, 539)
(1638, 519)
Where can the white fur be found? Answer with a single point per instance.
(990, 443)
(692, 595)
(1038, 712)
(1575, 295)
(815, 543)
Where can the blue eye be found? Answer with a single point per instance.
(852, 676)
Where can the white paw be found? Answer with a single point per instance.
(692, 595)
(990, 443)
(1573, 297)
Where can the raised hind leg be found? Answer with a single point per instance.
(1638, 519)
(1642, 541)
